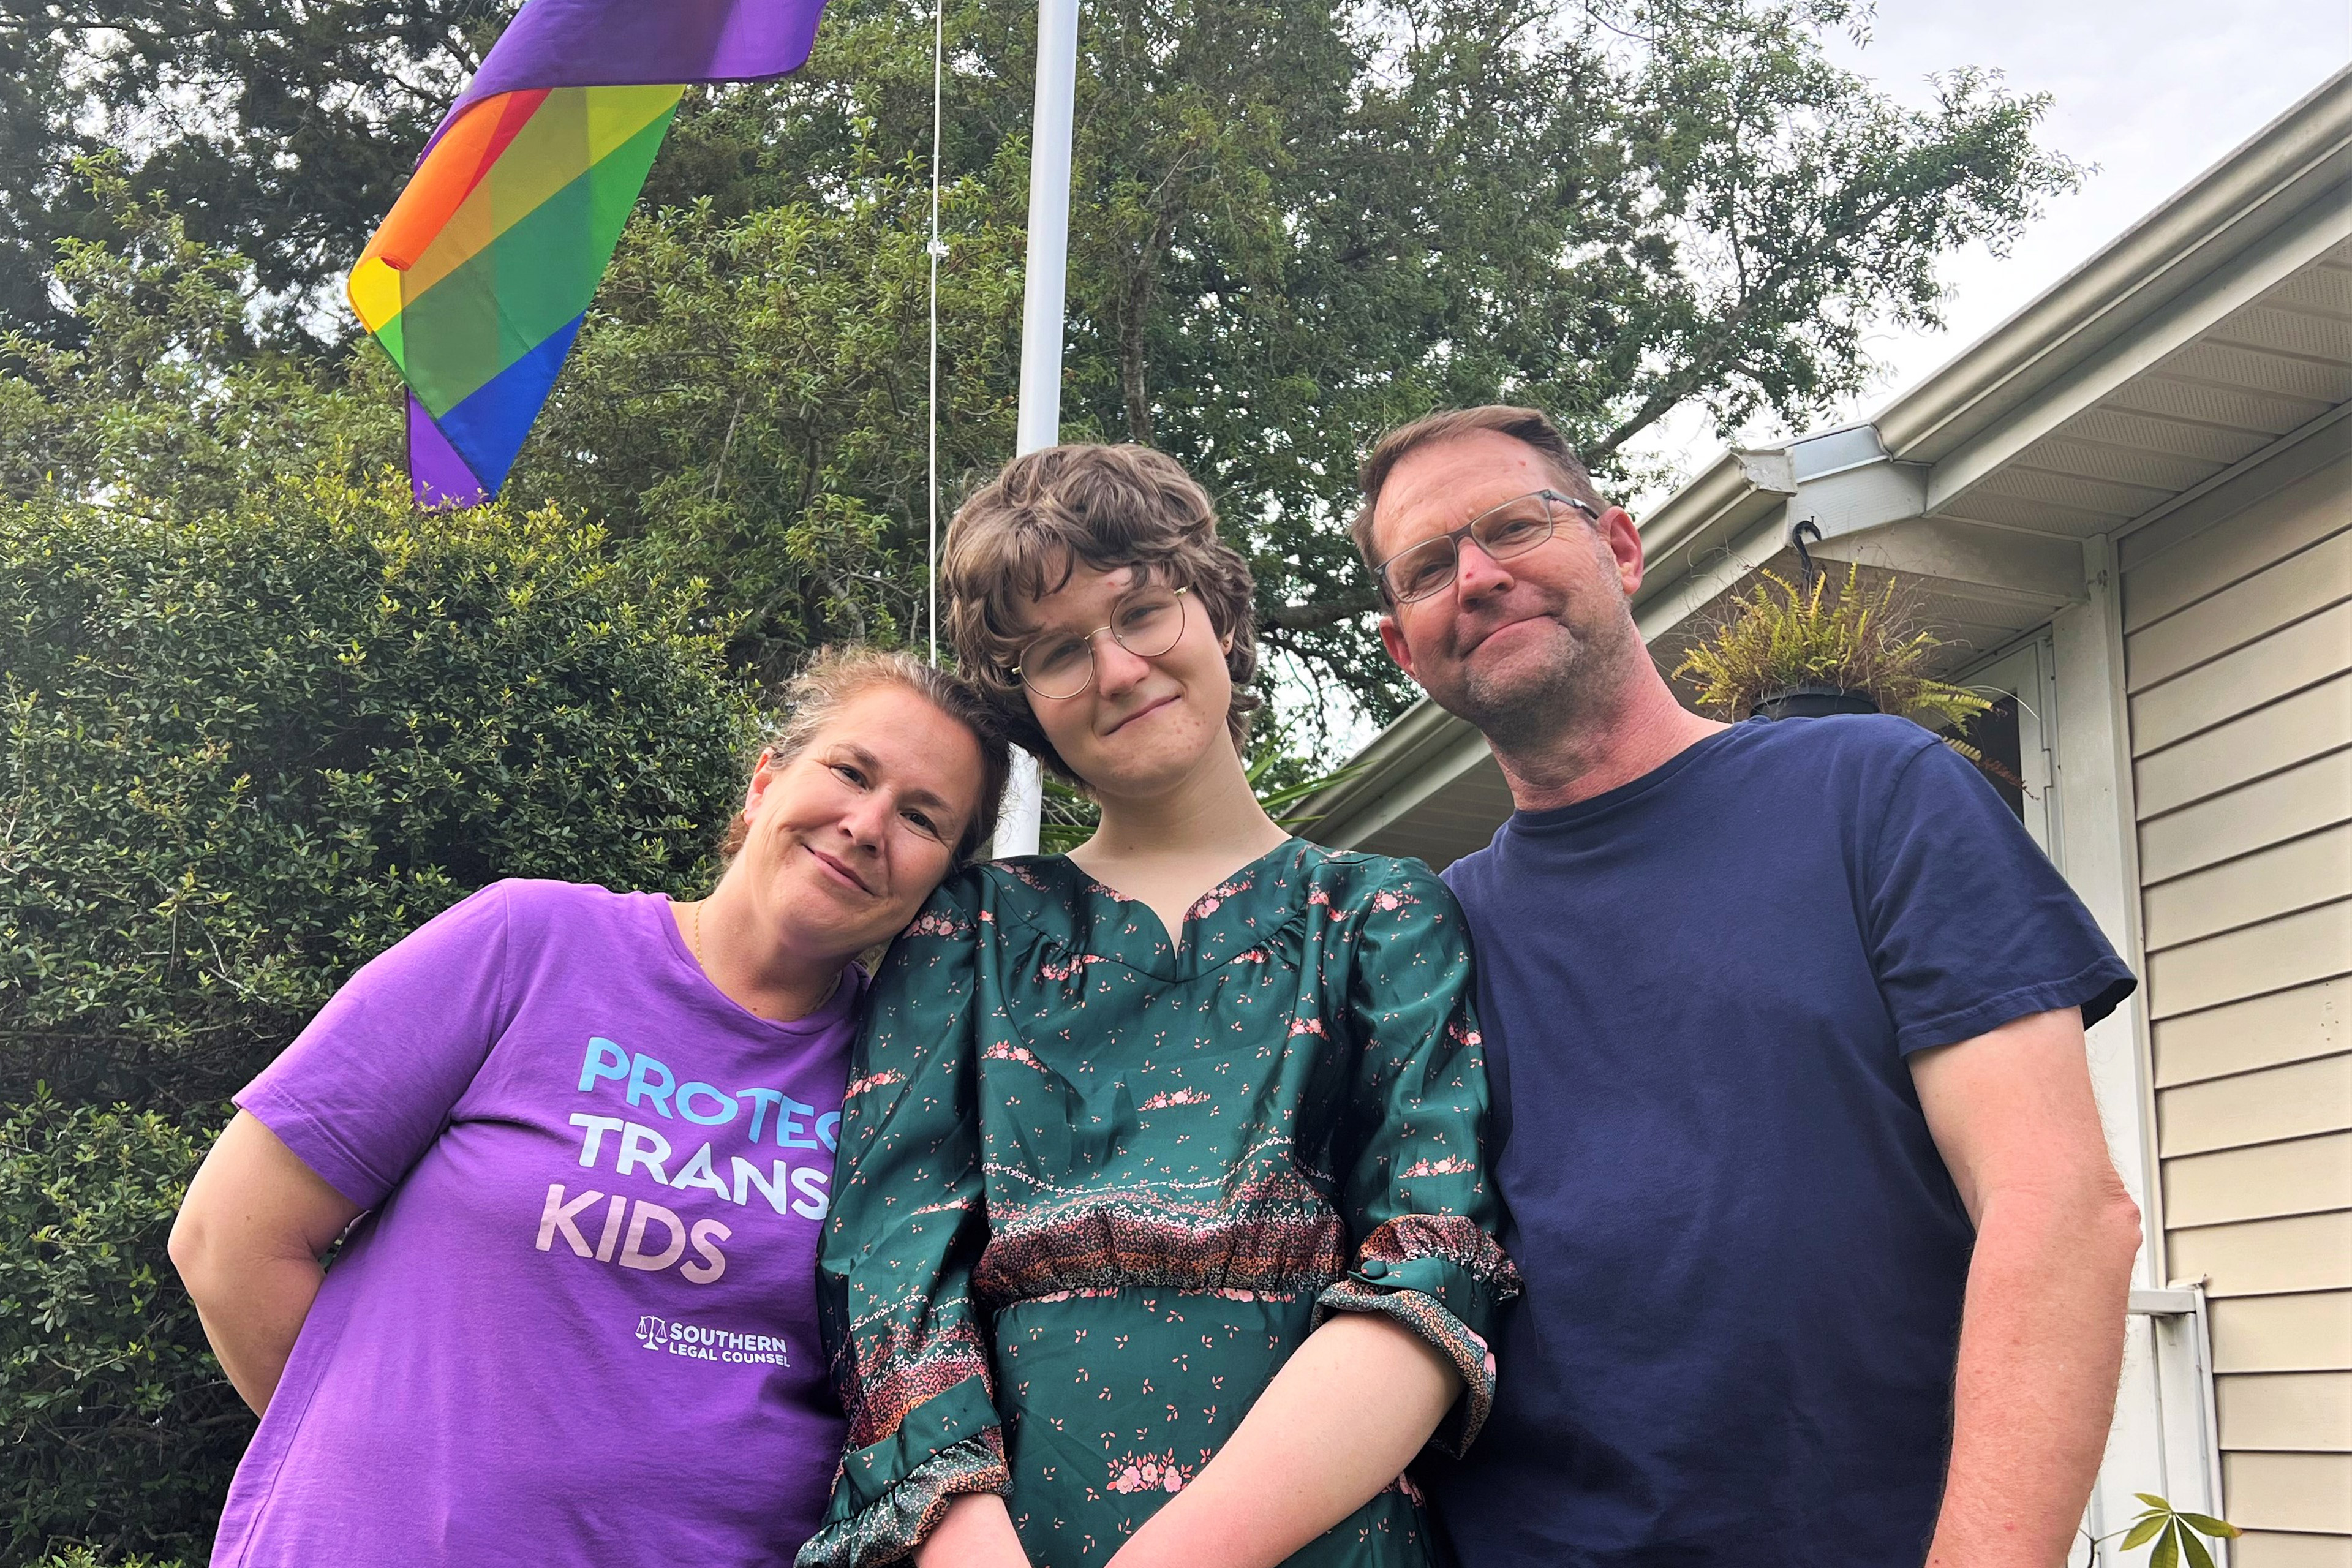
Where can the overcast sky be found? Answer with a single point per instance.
(2152, 91)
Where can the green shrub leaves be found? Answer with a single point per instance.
(119, 1430)
(241, 755)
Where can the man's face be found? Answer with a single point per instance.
(1518, 647)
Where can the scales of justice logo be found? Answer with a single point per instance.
(699, 1341)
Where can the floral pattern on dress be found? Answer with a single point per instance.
(1150, 1473)
(908, 1372)
(1114, 1176)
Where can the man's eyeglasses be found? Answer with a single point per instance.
(1514, 527)
(1146, 623)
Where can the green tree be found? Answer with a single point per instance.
(1292, 226)
(1360, 214)
(280, 130)
(164, 392)
(122, 1432)
(242, 753)
(749, 407)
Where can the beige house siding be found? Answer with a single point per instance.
(2238, 655)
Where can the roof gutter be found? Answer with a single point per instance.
(1396, 755)
(1707, 516)
(2281, 172)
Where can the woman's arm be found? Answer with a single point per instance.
(976, 1532)
(248, 1244)
(1339, 1422)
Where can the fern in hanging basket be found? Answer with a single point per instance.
(1829, 633)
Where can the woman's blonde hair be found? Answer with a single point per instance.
(1021, 535)
(835, 675)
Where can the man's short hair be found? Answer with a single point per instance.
(1530, 427)
(1021, 534)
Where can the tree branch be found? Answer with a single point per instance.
(1698, 369)
(1314, 617)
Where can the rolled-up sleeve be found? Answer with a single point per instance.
(909, 1358)
(1421, 1208)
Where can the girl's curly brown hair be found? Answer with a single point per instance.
(1021, 535)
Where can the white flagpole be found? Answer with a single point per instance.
(1049, 225)
(1040, 423)
(935, 251)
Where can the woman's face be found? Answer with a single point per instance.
(1142, 726)
(847, 838)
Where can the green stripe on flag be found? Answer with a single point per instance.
(529, 283)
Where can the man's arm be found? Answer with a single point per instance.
(247, 1243)
(2042, 1334)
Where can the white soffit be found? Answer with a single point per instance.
(1447, 824)
(2257, 375)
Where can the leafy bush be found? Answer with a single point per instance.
(120, 1432)
(162, 391)
(242, 753)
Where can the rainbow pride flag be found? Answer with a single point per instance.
(479, 279)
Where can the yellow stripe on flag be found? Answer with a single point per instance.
(374, 290)
(576, 128)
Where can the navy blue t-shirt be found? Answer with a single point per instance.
(1744, 1257)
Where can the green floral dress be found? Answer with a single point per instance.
(1095, 1187)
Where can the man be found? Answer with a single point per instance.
(1825, 1259)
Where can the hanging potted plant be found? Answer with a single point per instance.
(1829, 645)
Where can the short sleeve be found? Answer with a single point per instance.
(1969, 925)
(362, 1092)
(1420, 1204)
(894, 1278)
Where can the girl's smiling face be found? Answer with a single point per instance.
(1142, 725)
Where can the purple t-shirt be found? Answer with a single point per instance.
(579, 1324)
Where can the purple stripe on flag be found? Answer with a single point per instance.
(437, 477)
(628, 43)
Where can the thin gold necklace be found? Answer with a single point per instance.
(694, 942)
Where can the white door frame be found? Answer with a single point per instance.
(2163, 1439)
(2027, 671)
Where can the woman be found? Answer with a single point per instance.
(592, 1135)
(1163, 1235)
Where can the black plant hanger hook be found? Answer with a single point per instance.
(1805, 556)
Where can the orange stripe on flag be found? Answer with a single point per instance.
(449, 174)
(520, 107)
